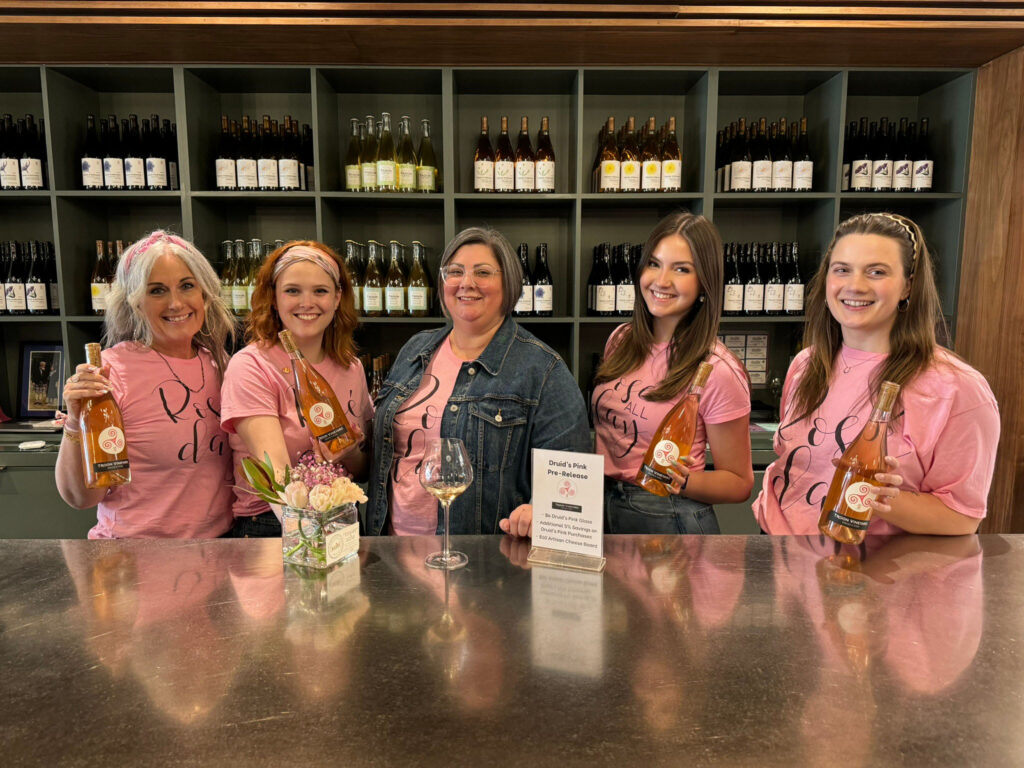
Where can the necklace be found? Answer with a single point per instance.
(846, 366)
(202, 369)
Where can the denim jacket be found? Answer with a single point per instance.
(517, 395)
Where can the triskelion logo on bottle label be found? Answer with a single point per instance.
(858, 495)
(112, 440)
(322, 415)
(666, 452)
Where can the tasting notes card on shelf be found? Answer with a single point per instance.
(568, 510)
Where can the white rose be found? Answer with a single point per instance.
(320, 498)
(296, 495)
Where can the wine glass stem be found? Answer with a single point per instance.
(447, 527)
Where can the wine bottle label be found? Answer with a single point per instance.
(803, 174)
(846, 178)
(720, 179)
(733, 298)
(625, 298)
(671, 175)
(386, 173)
(727, 178)
(651, 175)
(373, 299)
(225, 295)
(321, 414)
(504, 176)
(266, 172)
(110, 466)
(846, 521)
(860, 175)
(31, 173)
(407, 177)
(610, 175)
(740, 180)
(225, 168)
(353, 178)
(339, 431)
(113, 172)
(544, 173)
(857, 496)
(250, 289)
(248, 176)
(3, 298)
(881, 174)
(238, 298)
(794, 298)
(15, 297)
(54, 297)
(35, 296)
(357, 298)
(782, 174)
(310, 177)
(604, 298)
(753, 297)
(666, 452)
(288, 173)
(762, 174)
(92, 172)
(923, 171)
(172, 173)
(483, 175)
(655, 474)
(111, 440)
(543, 298)
(525, 304)
(10, 173)
(774, 297)
(134, 172)
(525, 174)
(99, 293)
(902, 174)
(630, 176)
(417, 298)
(156, 172)
(394, 299)
(369, 173)
(426, 178)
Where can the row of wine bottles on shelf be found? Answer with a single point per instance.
(29, 274)
(403, 288)
(650, 162)
(375, 162)
(763, 279)
(537, 298)
(22, 153)
(879, 158)
(610, 290)
(130, 157)
(264, 156)
(764, 158)
(240, 261)
(524, 170)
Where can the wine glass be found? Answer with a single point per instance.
(446, 473)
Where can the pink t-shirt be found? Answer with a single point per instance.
(259, 382)
(945, 440)
(413, 510)
(179, 456)
(625, 422)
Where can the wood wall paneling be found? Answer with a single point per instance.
(990, 330)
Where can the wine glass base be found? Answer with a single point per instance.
(450, 563)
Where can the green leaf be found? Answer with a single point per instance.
(261, 481)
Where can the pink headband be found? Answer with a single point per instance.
(144, 245)
(305, 253)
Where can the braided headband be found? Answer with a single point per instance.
(906, 228)
(142, 246)
(305, 253)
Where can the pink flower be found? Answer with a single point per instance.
(296, 495)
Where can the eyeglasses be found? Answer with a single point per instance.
(456, 272)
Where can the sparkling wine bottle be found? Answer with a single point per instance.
(674, 437)
(319, 407)
(104, 448)
(846, 514)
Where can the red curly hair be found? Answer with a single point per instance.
(263, 323)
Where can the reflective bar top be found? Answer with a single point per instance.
(687, 650)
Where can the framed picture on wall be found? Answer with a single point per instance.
(41, 380)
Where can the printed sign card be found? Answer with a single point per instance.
(568, 509)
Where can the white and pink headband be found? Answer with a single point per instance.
(305, 253)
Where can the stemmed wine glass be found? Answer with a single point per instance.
(446, 473)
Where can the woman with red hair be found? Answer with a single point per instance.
(302, 287)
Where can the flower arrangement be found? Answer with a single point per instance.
(319, 512)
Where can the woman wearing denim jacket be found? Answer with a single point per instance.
(484, 380)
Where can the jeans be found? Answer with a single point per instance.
(630, 509)
(262, 526)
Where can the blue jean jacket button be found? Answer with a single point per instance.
(453, 408)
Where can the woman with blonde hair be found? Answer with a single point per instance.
(302, 287)
(165, 329)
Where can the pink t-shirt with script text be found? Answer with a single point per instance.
(945, 440)
(259, 382)
(179, 457)
(625, 422)
(413, 510)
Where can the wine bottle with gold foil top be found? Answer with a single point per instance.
(846, 514)
(373, 281)
(419, 290)
(319, 408)
(104, 448)
(395, 284)
(674, 437)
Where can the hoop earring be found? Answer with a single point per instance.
(903, 305)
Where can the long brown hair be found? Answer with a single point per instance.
(264, 323)
(912, 342)
(695, 335)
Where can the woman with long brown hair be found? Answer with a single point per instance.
(648, 367)
(872, 308)
(302, 287)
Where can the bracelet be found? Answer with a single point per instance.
(73, 435)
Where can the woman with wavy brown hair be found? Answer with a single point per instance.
(302, 287)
